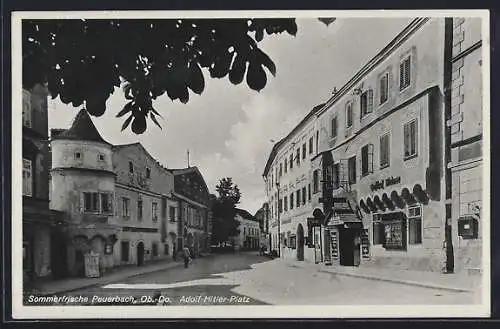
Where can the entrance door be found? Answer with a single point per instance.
(59, 256)
(140, 254)
(300, 243)
(349, 247)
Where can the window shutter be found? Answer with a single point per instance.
(110, 203)
(370, 101)
(82, 201)
(370, 158)
(401, 75)
(414, 137)
(406, 140)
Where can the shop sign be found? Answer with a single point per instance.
(334, 245)
(379, 185)
(365, 244)
(395, 235)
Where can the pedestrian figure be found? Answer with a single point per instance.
(186, 255)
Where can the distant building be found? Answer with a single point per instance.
(192, 195)
(262, 216)
(249, 236)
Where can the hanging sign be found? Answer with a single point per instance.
(334, 245)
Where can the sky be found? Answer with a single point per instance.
(229, 129)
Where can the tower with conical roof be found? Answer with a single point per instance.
(83, 186)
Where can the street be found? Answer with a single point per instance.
(249, 279)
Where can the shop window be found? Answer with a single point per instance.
(410, 139)
(349, 115)
(285, 203)
(351, 166)
(367, 159)
(27, 177)
(415, 225)
(311, 142)
(26, 108)
(384, 88)
(139, 210)
(125, 207)
(154, 249)
(315, 181)
(298, 198)
(154, 211)
(304, 149)
(333, 127)
(385, 150)
(291, 201)
(304, 195)
(291, 161)
(378, 230)
(404, 73)
(366, 102)
(125, 248)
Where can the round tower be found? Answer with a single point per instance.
(83, 186)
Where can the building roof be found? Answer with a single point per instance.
(140, 146)
(245, 214)
(82, 129)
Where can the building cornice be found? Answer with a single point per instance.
(150, 193)
(182, 197)
(87, 170)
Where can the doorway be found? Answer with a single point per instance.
(349, 247)
(140, 254)
(300, 243)
(59, 255)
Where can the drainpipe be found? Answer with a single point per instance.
(447, 83)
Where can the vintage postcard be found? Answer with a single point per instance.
(262, 164)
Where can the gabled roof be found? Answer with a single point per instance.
(140, 146)
(82, 129)
(245, 214)
(189, 170)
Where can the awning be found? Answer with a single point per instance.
(346, 220)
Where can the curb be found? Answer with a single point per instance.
(398, 281)
(104, 282)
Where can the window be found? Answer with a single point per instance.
(366, 102)
(348, 115)
(351, 165)
(244, 230)
(291, 161)
(139, 209)
(385, 150)
(333, 127)
(165, 249)
(101, 157)
(405, 73)
(384, 88)
(171, 213)
(286, 165)
(280, 205)
(309, 192)
(125, 248)
(298, 157)
(163, 207)
(154, 249)
(130, 167)
(378, 230)
(367, 159)
(311, 143)
(298, 198)
(78, 156)
(125, 207)
(315, 181)
(291, 201)
(148, 173)
(304, 150)
(281, 170)
(90, 202)
(415, 225)
(106, 203)
(304, 195)
(154, 211)
(317, 141)
(286, 203)
(26, 108)
(410, 139)
(336, 173)
(27, 178)
(272, 178)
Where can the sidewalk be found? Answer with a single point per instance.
(451, 282)
(112, 276)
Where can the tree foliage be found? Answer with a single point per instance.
(82, 61)
(224, 224)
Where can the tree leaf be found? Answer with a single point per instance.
(127, 108)
(196, 81)
(154, 120)
(127, 122)
(266, 61)
(238, 69)
(139, 124)
(256, 77)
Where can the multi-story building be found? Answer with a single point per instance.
(289, 189)
(249, 236)
(193, 202)
(39, 222)
(464, 122)
(146, 208)
(83, 187)
(379, 179)
(262, 216)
